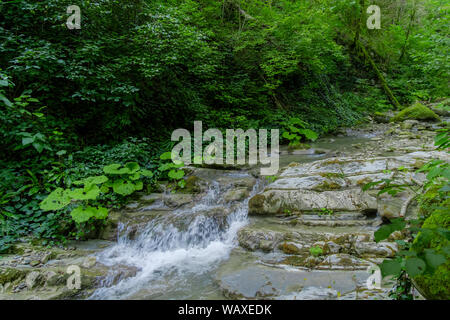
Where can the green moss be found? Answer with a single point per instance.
(192, 185)
(298, 146)
(416, 112)
(289, 248)
(316, 251)
(257, 202)
(328, 185)
(294, 261)
(10, 275)
(437, 284)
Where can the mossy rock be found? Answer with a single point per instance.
(256, 203)
(10, 275)
(435, 286)
(289, 248)
(298, 146)
(294, 261)
(381, 117)
(193, 185)
(416, 112)
(328, 185)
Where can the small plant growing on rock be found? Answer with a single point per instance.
(173, 171)
(316, 251)
(325, 211)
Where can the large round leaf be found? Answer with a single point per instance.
(132, 167)
(415, 266)
(82, 214)
(123, 187)
(115, 168)
(56, 200)
(147, 173)
(390, 267)
(166, 156)
(176, 174)
(92, 180)
(86, 193)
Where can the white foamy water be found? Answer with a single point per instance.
(175, 249)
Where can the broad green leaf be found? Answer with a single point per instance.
(182, 184)
(385, 231)
(146, 173)
(38, 146)
(132, 167)
(176, 174)
(104, 188)
(92, 180)
(390, 267)
(87, 193)
(100, 213)
(434, 260)
(112, 168)
(309, 134)
(139, 185)
(123, 187)
(5, 100)
(166, 155)
(82, 214)
(415, 266)
(56, 200)
(135, 176)
(27, 141)
(115, 168)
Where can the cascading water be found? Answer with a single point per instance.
(176, 251)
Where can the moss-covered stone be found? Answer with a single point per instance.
(10, 275)
(298, 146)
(256, 203)
(193, 185)
(294, 261)
(289, 248)
(416, 112)
(381, 117)
(328, 185)
(437, 284)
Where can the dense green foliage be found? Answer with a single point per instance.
(76, 102)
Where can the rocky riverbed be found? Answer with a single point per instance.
(233, 234)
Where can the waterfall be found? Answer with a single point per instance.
(175, 246)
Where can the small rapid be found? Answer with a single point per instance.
(176, 248)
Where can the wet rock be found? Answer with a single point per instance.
(34, 263)
(409, 124)
(342, 261)
(194, 184)
(330, 247)
(291, 248)
(236, 194)
(258, 239)
(278, 201)
(89, 262)
(372, 249)
(34, 279)
(175, 200)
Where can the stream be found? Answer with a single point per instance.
(178, 254)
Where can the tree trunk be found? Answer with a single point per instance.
(408, 32)
(361, 50)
